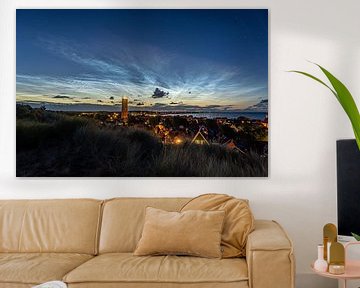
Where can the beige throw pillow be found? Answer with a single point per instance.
(239, 220)
(194, 232)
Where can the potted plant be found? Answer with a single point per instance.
(346, 100)
(356, 236)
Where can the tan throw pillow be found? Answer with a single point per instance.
(196, 233)
(239, 220)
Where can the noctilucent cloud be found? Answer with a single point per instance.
(160, 59)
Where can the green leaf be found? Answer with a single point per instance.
(344, 97)
(314, 78)
(356, 236)
(357, 137)
(347, 102)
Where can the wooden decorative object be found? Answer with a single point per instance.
(330, 236)
(337, 254)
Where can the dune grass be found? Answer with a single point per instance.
(65, 146)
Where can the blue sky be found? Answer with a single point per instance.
(160, 59)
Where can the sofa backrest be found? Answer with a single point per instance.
(67, 226)
(123, 220)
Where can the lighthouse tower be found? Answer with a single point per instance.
(124, 110)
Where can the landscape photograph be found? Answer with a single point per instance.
(142, 93)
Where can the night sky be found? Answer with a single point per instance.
(160, 59)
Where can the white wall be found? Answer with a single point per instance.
(305, 120)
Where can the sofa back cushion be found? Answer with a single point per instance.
(123, 220)
(238, 224)
(66, 226)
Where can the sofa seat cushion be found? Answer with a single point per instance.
(127, 268)
(36, 268)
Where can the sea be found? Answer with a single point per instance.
(228, 115)
(98, 108)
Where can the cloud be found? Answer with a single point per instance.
(134, 70)
(262, 106)
(214, 106)
(71, 51)
(140, 104)
(140, 66)
(62, 97)
(159, 93)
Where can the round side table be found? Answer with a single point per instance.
(352, 272)
(352, 269)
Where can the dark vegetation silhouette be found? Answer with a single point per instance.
(55, 144)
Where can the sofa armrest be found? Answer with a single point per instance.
(269, 256)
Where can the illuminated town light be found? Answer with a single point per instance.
(178, 140)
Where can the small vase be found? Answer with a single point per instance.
(320, 264)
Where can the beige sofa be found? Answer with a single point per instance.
(89, 243)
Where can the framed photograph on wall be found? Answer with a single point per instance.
(142, 93)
